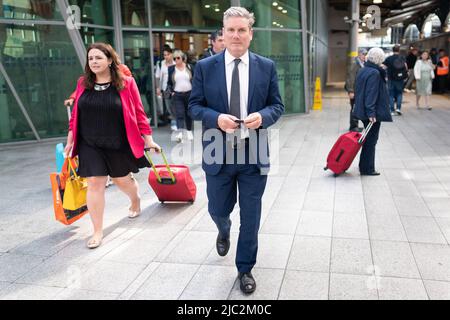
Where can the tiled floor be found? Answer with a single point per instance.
(321, 237)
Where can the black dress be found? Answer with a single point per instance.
(103, 146)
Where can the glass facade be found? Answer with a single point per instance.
(30, 10)
(42, 56)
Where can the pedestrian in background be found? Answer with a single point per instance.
(442, 71)
(424, 74)
(217, 45)
(350, 86)
(108, 131)
(371, 105)
(397, 71)
(179, 85)
(411, 62)
(162, 76)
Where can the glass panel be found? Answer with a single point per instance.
(137, 58)
(95, 12)
(43, 67)
(91, 35)
(30, 9)
(274, 14)
(200, 14)
(134, 13)
(285, 49)
(13, 125)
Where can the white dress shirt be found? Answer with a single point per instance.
(244, 76)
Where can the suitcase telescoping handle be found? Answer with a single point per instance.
(69, 113)
(365, 133)
(147, 154)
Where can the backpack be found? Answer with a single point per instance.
(399, 71)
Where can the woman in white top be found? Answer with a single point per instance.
(424, 74)
(180, 85)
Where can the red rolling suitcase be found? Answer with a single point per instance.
(345, 150)
(171, 182)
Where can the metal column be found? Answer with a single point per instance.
(305, 54)
(19, 102)
(353, 43)
(152, 65)
(117, 22)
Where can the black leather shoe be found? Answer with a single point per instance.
(222, 245)
(247, 282)
(374, 173)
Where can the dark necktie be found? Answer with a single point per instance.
(235, 95)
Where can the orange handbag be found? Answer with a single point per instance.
(58, 181)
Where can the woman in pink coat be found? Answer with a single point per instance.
(108, 131)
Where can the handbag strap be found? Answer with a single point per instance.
(71, 168)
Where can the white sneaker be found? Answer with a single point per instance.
(190, 136)
(407, 90)
(392, 113)
(429, 107)
(173, 127)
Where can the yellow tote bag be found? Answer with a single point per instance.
(75, 191)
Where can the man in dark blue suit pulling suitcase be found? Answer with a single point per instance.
(235, 95)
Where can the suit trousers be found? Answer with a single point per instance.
(353, 120)
(367, 158)
(222, 190)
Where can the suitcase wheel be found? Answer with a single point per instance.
(162, 201)
(336, 175)
(191, 201)
(325, 169)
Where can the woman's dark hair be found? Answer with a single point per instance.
(117, 77)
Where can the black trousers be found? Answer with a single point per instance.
(353, 120)
(367, 159)
(441, 83)
(180, 102)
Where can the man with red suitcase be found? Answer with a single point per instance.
(233, 85)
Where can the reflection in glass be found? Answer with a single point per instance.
(137, 58)
(134, 13)
(274, 14)
(91, 35)
(284, 48)
(44, 68)
(97, 12)
(200, 14)
(30, 9)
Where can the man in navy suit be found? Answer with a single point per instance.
(235, 95)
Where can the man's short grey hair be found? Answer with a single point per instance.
(376, 55)
(362, 51)
(239, 12)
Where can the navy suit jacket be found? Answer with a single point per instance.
(209, 99)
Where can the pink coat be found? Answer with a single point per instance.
(136, 121)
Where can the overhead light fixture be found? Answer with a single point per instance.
(280, 8)
(216, 9)
(274, 23)
(377, 1)
(284, 11)
(360, 30)
(275, 4)
(207, 6)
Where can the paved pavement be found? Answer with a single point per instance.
(321, 237)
